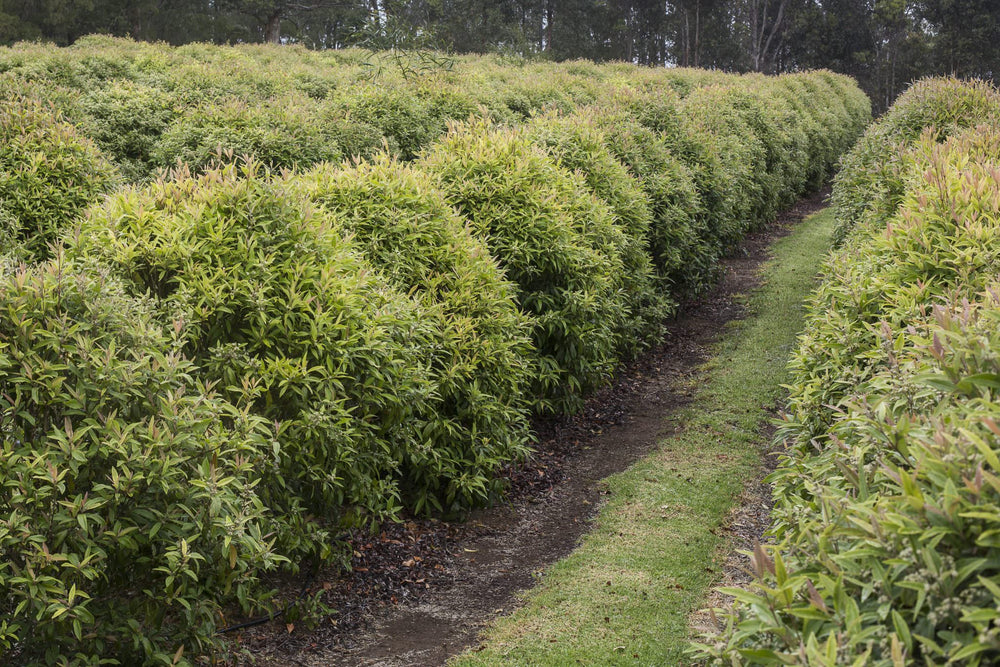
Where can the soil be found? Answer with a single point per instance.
(419, 592)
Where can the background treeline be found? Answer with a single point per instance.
(886, 522)
(884, 44)
(212, 366)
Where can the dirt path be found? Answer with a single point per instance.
(421, 592)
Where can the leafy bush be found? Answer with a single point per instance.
(274, 304)
(129, 513)
(776, 125)
(679, 177)
(527, 97)
(693, 163)
(398, 114)
(450, 101)
(281, 133)
(870, 186)
(856, 102)
(820, 125)
(711, 118)
(48, 172)
(63, 100)
(885, 515)
(477, 418)
(554, 239)
(126, 120)
(923, 261)
(579, 145)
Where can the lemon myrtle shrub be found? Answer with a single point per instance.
(554, 239)
(678, 177)
(280, 133)
(872, 182)
(129, 517)
(775, 125)
(126, 120)
(698, 162)
(278, 307)
(49, 173)
(833, 113)
(579, 145)
(479, 354)
(886, 505)
(682, 253)
(399, 114)
(819, 149)
(711, 115)
(857, 104)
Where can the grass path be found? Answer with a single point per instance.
(623, 597)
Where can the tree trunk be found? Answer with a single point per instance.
(763, 32)
(272, 29)
(548, 25)
(136, 23)
(687, 41)
(755, 31)
(697, 31)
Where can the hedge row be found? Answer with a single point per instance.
(149, 106)
(886, 523)
(340, 342)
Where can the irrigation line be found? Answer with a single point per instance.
(276, 614)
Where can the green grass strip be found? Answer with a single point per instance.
(624, 596)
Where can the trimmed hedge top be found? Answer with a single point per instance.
(554, 239)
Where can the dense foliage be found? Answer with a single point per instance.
(884, 44)
(48, 173)
(275, 305)
(478, 344)
(554, 239)
(318, 302)
(281, 132)
(886, 517)
(130, 513)
(873, 180)
(578, 144)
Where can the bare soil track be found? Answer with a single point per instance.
(420, 592)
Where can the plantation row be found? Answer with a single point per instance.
(886, 518)
(207, 376)
(148, 106)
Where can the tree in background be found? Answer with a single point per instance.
(963, 36)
